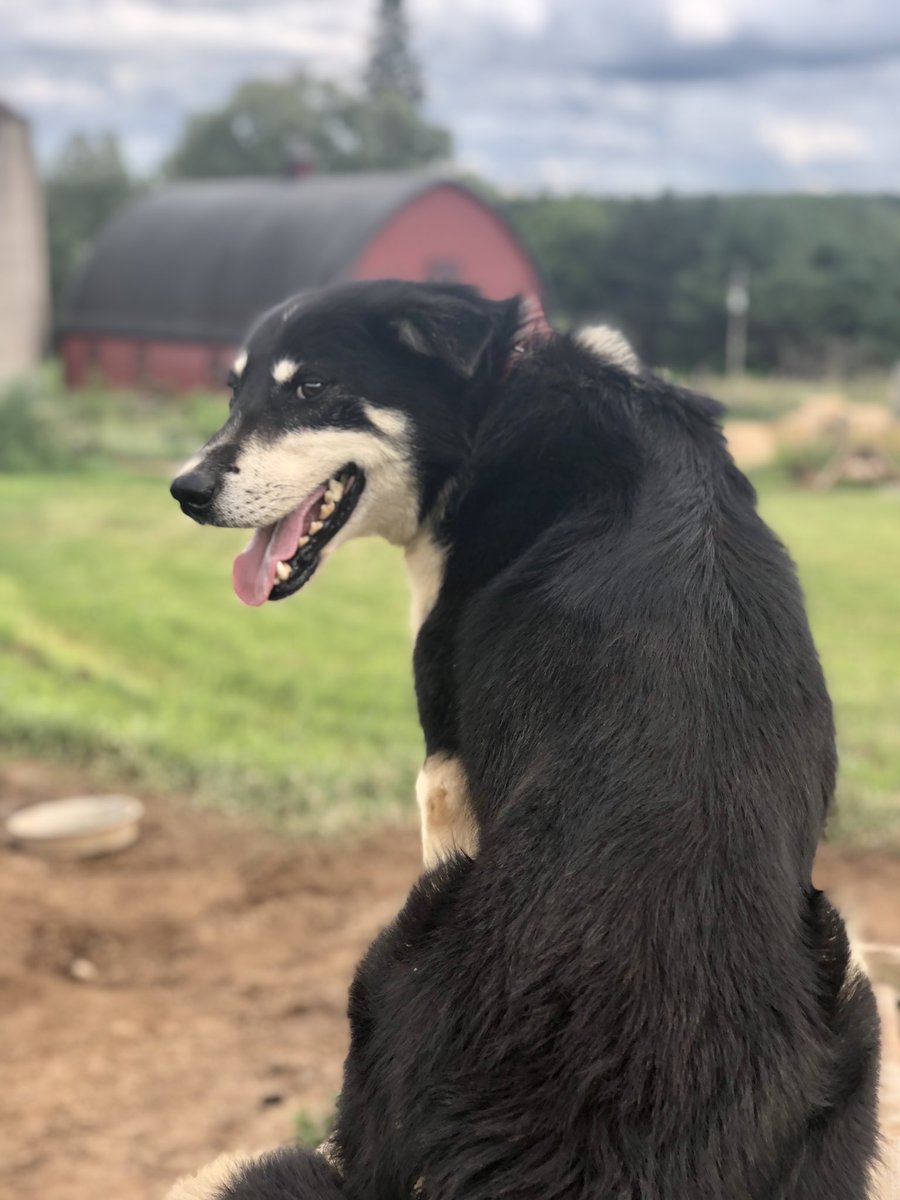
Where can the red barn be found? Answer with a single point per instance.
(175, 280)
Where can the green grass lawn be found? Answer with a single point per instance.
(847, 546)
(123, 648)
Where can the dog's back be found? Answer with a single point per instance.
(634, 990)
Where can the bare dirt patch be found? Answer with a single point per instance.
(184, 997)
(188, 996)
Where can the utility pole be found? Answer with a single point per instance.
(737, 309)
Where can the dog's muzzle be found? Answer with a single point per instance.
(195, 491)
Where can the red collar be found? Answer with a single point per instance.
(534, 328)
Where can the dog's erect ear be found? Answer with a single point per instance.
(455, 330)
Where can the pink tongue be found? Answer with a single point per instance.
(253, 573)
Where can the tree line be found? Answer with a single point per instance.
(822, 274)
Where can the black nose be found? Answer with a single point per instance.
(195, 491)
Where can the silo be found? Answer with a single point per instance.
(24, 282)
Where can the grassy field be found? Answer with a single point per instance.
(847, 546)
(122, 647)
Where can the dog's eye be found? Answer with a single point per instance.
(310, 388)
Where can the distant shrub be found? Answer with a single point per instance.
(313, 1128)
(801, 461)
(29, 437)
(858, 443)
(44, 427)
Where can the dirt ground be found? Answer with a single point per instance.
(188, 995)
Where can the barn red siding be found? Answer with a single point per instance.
(139, 362)
(76, 356)
(180, 366)
(448, 234)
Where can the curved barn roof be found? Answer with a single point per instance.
(200, 259)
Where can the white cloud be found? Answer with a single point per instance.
(703, 20)
(526, 17)
(144, 151)
(35, 91)
(805, 141)
(126, 26)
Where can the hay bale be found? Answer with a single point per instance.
(828, 441)
(752, 443)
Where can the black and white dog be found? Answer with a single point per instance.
(615, 980)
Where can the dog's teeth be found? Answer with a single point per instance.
(335, 490)
(283, 571)
(303, 540)
(326, 510)
(315, 526)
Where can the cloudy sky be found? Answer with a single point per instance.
(628, 97)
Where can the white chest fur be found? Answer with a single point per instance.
(425, 571)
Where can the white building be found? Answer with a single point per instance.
(24, 275)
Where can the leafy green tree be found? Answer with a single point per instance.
(88, 181)
(568, 237)
(392, 135)
(257, 131)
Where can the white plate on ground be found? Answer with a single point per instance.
(78, 827)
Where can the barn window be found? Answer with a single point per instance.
(443, 270)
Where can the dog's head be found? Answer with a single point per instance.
(350, 409)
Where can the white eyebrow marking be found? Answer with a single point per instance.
(285, 370)
(240, 363)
